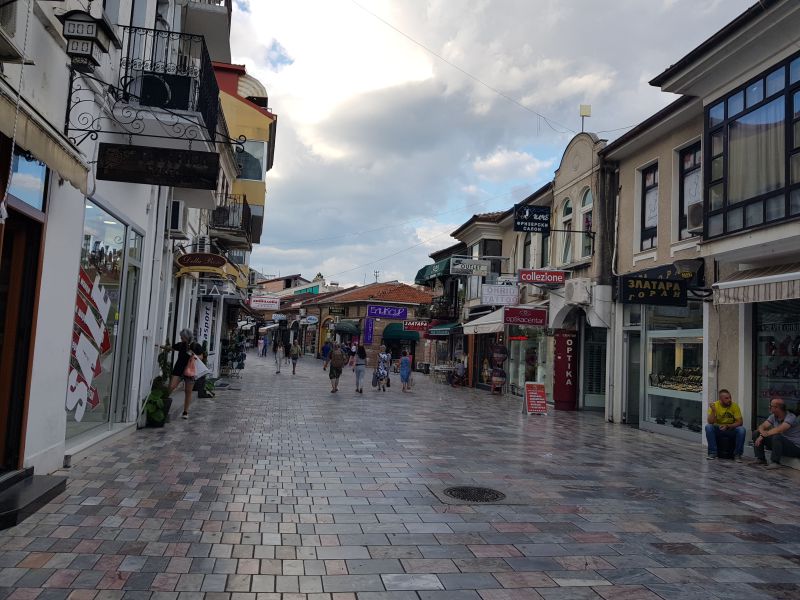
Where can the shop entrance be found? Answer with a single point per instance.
(19, 276)
(594, 368)
(632, 365)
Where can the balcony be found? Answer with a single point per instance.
(442, 308)
(231, 222)
(212, 20)
(173, 72)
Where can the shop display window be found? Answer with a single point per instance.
(527, 354)
(777, 360)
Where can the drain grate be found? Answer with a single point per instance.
(474, 494)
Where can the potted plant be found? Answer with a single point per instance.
(158, 401)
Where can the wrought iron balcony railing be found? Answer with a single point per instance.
(171, 71)
(233, 215)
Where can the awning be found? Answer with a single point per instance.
(44, 142)
(395, 331)
(266, 328)
(443, 329)
(428, 272)
(491, 323)
(767, 284)
(347, 326)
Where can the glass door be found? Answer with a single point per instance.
(633, 377)
(130, 305)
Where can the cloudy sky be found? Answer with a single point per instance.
(383, 148)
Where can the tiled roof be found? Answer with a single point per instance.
(383, 292)
(490, 217)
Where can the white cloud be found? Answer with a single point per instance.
(508, 165)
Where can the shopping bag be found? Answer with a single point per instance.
(374, 379)
(191, 368)
(200, 368)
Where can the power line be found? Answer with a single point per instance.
(547, 121)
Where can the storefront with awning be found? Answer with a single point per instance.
(430, 272)
(396, 339)
(768, 353)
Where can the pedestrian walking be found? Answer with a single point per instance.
(405, 371)
(277, 352)
(382, 370)
(338, 360)
(294, 353)
(360, 368)
(287, 350)
(183, 370)
(264, 346)
(326, 353)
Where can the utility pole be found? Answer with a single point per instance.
(376, 273)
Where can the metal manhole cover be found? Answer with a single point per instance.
(474, 494)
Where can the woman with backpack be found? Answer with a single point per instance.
(338, 360)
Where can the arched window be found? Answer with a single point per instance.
(526, 252)
(566, 225)
(586, 224)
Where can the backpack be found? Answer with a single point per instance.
(337, 359)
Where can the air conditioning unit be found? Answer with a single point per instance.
(576, 291)
(694, 218)
(177, 221)
(203, 244)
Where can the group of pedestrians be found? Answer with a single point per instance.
(285, 352)
(336, 356)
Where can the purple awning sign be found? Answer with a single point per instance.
(387, 312)
(369, 330)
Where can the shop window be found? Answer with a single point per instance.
(566, 240)
(586, 224)
(753, 137)
(690, 191)
(527, 357)
(28, 179)
(526, 251)
(649, 210)
(252, 161)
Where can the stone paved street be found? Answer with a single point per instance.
(279, 490)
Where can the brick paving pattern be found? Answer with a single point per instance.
(279, 490)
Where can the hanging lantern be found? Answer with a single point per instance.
(87, 39)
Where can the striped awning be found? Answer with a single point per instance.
(767, 284)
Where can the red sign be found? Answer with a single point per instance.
(542, 276)
(526, 317)
(565, 370)
(535, 398)
(415, 325)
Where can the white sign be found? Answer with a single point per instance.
(205, 317)
(507, 280)
(466, 266)
(265, 303)
(312, 320)
(499, 295)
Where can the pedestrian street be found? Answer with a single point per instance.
(278, 489)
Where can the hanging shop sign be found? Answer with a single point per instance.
(206, 319)
(468, 266)
(415, 325)
(158, 166)
(565, 370)
(312, 320)
(265, 303)
(642, 290)
(196, 260)
(214, 288)
(507, 280)
(525, 317)
(535, 398)
(369, 331)
(542, 276)
(278, 317)
(499, 295)
(90, 341)
(532, 219)
(387, 312)
(336, 311)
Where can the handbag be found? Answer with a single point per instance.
(191, 369)
(375, 379)
(201, 370)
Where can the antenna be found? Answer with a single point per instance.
(586, 111)
(376, 273)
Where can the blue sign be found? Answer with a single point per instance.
(369, 330)
(387, 312)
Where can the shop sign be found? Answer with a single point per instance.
(90, 341)
(525, 317)
(213, 287)
(467, 266)
(265, 303)
(206, 316)
(158, 166)
(312, 320)
(499, 295)
(535, 398)
(201, 259)
(415, 325)
(532, 219)
(278, 317)
(387, 312)
(641, 290)
(507, 280)
(542, 276)
(369, 331)
(565, 370)
(336, 311)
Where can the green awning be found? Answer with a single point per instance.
(347, 326)
(428, 272)
(443, 329)
(395, 331)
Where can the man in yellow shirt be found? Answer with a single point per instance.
(725, 420)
